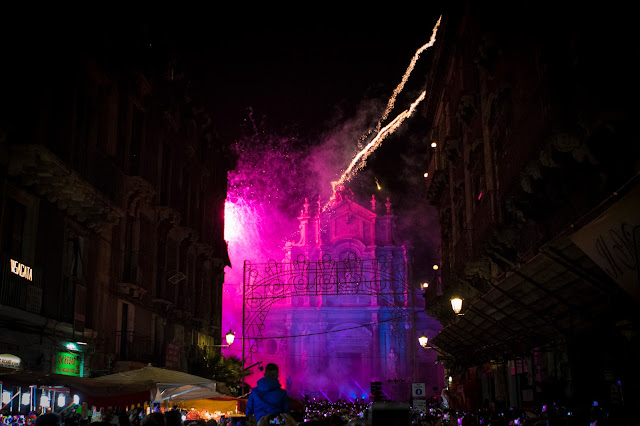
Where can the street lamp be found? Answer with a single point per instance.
(423, 340)
(230, 337)
(456, 305)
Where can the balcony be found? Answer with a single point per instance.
(89, 195)
(132, 290)
(73, 302)
(132, 346)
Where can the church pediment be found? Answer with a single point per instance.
(350, 220)
(349, 207)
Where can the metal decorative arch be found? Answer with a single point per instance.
(264, 284)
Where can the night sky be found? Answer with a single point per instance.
(306, 70)
(306, 73)
(314, 76)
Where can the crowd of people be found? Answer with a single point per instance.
(341, 413)
(268, 404)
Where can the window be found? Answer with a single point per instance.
(131, 251)
(107, 122)
(75, 251)
(125, 328)
(137, 140)
(14, 227)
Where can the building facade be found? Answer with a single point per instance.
(111, 206)
(534, 170)
(345, 301)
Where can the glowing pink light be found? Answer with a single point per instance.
(232, 222)
(479, 196)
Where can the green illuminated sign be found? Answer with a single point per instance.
(69, 364)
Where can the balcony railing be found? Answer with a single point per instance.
(132, 346)
(21, 285)
(73, 301)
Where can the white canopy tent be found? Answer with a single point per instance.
(166, 385)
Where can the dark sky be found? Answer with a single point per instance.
(310, 74)
(299, 71)
(302, 76)
(291, 66)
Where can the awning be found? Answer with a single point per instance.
(564, 290)
(86, 385)
(559, 292)
(172, 392)
(166, 385)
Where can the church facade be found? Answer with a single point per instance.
(342, 310)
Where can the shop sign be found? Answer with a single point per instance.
(68, 364)
(21, 270)
(10, 361)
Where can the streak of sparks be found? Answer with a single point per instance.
(407, 73)
(404, 79)
(359, 160)
(378, 185)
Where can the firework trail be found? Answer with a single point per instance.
(359, 160)
(407, 73)
(404, 80)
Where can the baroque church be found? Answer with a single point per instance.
(342, 311)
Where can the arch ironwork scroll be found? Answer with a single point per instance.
(265, 284)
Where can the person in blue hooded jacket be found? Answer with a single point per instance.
(268, 397)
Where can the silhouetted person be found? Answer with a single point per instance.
(268, 397)
(153, 419)
(47, 419)
(173, 418)
(123, 419)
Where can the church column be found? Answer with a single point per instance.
(304, 224)
(377, 347)
(291, 350)
(316, 224)
(320, 350)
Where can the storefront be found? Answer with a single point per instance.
(36, 377)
